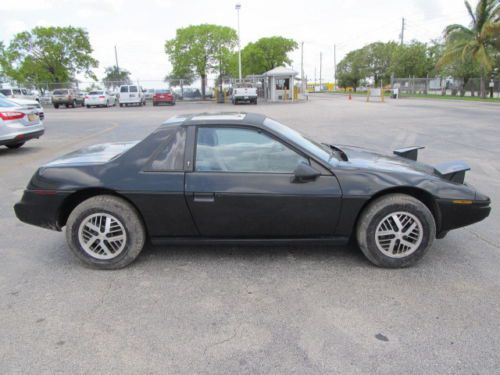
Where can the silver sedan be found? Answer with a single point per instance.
(18, 124)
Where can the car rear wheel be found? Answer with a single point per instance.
(15, 145)
(105, 232)
(395, 231)
(56, 106)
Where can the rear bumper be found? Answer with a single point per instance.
(40, 208)
(455, 215)
(21, 137)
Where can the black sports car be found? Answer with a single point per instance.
(241, 177)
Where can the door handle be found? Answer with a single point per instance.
(204, 197)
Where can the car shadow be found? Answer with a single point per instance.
(24, 150)
(336, 254)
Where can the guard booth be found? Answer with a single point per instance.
(279, 84)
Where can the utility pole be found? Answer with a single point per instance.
(238, 7)
(334, 67)
(116, 60)
(302, 67)
(320, 63)
(402, 35)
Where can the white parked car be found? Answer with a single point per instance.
(99, 98)
(131, 95)
(27, 104)
(21, 93)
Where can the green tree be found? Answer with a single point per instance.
(411, 60)
(378, 60)
(48, 54)
(263, 55)
(480, 42)
(114, 77)
(200, 49)
(351, 70)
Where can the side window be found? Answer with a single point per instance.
(243, 150)
(171, 156)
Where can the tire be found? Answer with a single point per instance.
(121, 104)
(56, 106)
(390, 250)
(107, 104)
(88, 106)
(15, 145)
(155, 104)
(124, 218)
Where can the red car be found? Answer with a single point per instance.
(164, 96)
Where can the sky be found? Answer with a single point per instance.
(139, 28)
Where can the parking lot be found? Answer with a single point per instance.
(258, 310)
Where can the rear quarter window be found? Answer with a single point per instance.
(170, 156)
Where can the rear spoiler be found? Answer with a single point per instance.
(408, 152)
(453, 170)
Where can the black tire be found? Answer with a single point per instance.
(124, 213)
(378, 212)
(56, 106)
(155, 104)
(88, 106)
(15, 145)
(121, 104)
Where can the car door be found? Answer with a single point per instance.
(242, 185)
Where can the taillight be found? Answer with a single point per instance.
(86, 96)
(11, 115)
(101, 97)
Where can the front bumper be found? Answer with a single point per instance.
(40, 208)
(456, 215)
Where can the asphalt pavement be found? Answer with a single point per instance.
(258, 310)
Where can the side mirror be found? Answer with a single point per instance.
(305, 173)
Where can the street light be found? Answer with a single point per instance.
(238, 7)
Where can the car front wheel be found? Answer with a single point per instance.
(105, 232)
(395, 231)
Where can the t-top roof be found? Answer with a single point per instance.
(214, 118)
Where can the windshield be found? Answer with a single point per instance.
(60, 92)
(162, 91)
(320, 151)
(96, 93)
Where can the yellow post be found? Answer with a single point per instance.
(368, 96)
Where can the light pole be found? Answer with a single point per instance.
(238, 7)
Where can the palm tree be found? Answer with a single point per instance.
(479, 42)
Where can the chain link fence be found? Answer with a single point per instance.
(412, 86)
(184, 89)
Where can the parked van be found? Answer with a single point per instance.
(131, 94)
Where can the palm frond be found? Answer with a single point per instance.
(471, 13)
(482, 57)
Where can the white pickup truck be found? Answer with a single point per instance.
(244, 93)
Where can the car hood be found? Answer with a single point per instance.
(364, 158)
(96, 154)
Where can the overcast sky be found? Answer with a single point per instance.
(140, 28)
